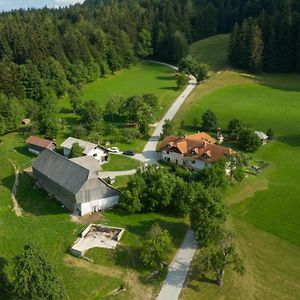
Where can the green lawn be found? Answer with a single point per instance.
(45, 222)
(212, 51)
(143, 78)
(120, 163)
(265, 210)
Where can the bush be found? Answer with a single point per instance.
(249, 141)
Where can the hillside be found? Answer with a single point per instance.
(212, 51)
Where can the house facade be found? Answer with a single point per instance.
(76, 185)
(36, 145)
(89, 149)
(194, 151)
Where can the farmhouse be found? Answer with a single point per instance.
(89, 149)
(194, 151)
(76, 185)
(262, 136)
(36, 144)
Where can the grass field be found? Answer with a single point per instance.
(120, 163)
(140, 79)
(212, 51)
(265, 210)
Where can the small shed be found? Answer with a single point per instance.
(26, 122)
(262, 136)
(36, 144)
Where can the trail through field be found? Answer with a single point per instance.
(17, 209)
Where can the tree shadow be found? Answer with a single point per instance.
(169, 88)
(291, 140)
(31, 199)
(166, 78)
(5, 284)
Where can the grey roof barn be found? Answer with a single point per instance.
(77, 187)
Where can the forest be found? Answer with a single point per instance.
(46, 53)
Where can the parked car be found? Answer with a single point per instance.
(114, 149)
(129, 153)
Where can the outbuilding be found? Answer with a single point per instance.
(89, 149)
(262, 136)
(78, 188)
(36, 144)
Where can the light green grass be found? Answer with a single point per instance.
(212, 51)
(120, 163)
(140, 79)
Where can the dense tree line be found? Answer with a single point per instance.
(269, 42)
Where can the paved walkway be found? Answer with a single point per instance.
(178, 269)
(149, 154)
(113, 174)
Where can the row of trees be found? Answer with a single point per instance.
(184, 193)
(270, 42)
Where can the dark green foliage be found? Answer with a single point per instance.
(144, 46)
(234, 127)
(189, 65)
(209, 120)
(151, 100)
(76, 150)
(249, 141)
(207, 215)
(11, 114)
(182, 80)
(218, 257)
(157, 246)
(168, 129)
(34, 278)
(178, 47)
(202, 72)
(90, 114)
(47, 122)
(214, 176)
(270, 134)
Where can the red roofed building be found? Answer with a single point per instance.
(36, 144)
(194, 151)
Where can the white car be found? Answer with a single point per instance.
(114, 149)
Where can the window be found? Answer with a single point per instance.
(168, 152)
(193, 162)
(95, 155)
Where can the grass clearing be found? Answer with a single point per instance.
(212, 51)
(119, 162)
(143, 78)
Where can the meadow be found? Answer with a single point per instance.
(264, 209)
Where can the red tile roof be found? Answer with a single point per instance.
(198, 146)
(37, 141)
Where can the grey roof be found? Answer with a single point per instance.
(61, 170)
(81, 182)
(87, 146)
(88, 162)
(261, 135)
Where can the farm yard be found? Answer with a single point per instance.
(265, 209)
(43, 217)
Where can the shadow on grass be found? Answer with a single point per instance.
(32, 200)
(291, 140)
(5, 284)
(166, 78)
(169, 88)
(24, 151)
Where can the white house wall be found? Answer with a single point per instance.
(99, 154)
(184, 161)
(100, 204)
